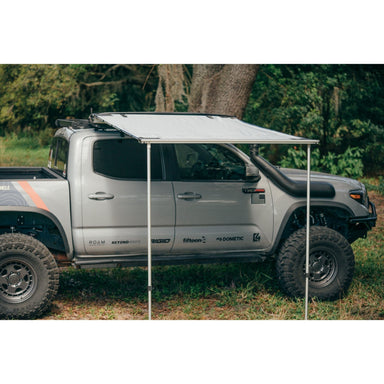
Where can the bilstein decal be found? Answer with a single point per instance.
(160, 241)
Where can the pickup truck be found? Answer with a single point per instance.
(210, 203)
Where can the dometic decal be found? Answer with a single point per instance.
(160, 241)
(256, 237)
(230, 238)
(33, 195)
(202, 239)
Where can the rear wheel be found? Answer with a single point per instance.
(29, 277)
(331, 264)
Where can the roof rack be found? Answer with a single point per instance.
(81, 124)
(73, 123)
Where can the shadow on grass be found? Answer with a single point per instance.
(192, 281)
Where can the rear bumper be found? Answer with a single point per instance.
(369, 221)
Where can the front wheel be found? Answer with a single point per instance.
(331, 264)
(29, 277)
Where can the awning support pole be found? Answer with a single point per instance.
(149, 228)
(308, 229)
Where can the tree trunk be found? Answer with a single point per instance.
(171, 87)
(221, 88)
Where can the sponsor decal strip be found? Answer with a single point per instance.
(33, 195)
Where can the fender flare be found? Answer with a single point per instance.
(48, 215)
(303, 204)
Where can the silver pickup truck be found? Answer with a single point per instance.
(210, 203)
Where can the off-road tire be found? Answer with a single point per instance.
(29, 277)
(331, 264)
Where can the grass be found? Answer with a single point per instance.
(217, 291)
(24, 151)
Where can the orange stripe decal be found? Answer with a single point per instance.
(33, 195)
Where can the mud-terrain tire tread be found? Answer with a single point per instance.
(31, 248)
(293, 250)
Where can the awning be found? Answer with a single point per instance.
(193, 128)
(172, 128)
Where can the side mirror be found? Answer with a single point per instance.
(252, 173)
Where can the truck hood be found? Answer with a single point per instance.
(340, 183)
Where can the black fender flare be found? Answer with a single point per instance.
(303, 204)
(48, 215)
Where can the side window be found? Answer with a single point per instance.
(125, 159)
(58, 156)
(208, 162)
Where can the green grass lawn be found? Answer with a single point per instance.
(26, 152)
(216, 291)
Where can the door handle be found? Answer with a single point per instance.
(189, 196)
(100, 196)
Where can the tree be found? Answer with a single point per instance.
(342, 105)
(171, 87)
(33, 96)
(221, 88)
(213, 88)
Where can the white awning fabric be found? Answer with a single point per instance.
(193, 128)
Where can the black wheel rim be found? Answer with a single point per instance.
(323, 267)
(18, 280)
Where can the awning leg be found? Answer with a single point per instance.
(149, 228)
(308, 229)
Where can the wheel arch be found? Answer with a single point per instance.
(343, 212)
(38, 223)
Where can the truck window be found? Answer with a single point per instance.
(58, 156)
(208, 162)
(125, 159)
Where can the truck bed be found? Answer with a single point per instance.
(27, 173)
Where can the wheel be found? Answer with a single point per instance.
(331, 264)
(29, 277)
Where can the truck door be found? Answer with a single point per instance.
(217, 209)
(114, 198)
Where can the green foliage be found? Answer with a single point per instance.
(347, 164)
(32, 97)
(341, 105)
(31, 94)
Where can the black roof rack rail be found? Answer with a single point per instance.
(73, 123)
(81, 124)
